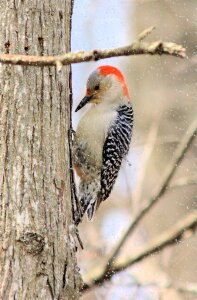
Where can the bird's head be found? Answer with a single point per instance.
(105, 85)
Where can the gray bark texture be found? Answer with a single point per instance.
(37, 249)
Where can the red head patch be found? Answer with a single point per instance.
(109, 70)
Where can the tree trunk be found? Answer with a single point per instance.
(37, 253)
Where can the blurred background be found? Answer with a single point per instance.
(164, 97)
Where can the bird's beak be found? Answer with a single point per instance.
(83, 102)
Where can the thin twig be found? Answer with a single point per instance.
(169, 237)
(145, 33)
(148, 149)
(136, 48)
(187, 288)
(182, 182)
(160, 141)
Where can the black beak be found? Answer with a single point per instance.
(83, 102)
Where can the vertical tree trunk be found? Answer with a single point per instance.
(37, 254)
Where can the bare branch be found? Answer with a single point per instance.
(187, 288)
(176, 160)
(136, 48)
(148, 148)
(182, 182)
(169, 237)
(145, 33)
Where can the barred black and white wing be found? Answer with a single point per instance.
(115, 148)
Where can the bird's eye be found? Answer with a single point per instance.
(96, 87)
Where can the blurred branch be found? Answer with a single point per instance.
(176, 160)
(183, 182)
(187, 288)
(148, 149)
(160, 141)
(136, 48)
(171, 236)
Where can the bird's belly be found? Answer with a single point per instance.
(89, 141)
(88, 148)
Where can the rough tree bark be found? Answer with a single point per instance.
(37, 253)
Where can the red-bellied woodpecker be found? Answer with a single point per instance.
(102, 137)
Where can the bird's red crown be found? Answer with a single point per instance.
(110, 70)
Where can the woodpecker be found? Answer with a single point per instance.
(102, 138)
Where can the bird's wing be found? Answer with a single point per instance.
(115, 148)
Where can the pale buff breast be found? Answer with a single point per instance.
(90, 137)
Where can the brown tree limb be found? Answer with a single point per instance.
(169, 237)
(136, 48)
(176, 160)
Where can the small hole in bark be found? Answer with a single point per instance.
(40, 40)
(60, 15)
(7, 46)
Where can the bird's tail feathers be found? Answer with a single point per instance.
(91, 209)
(88, 195)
